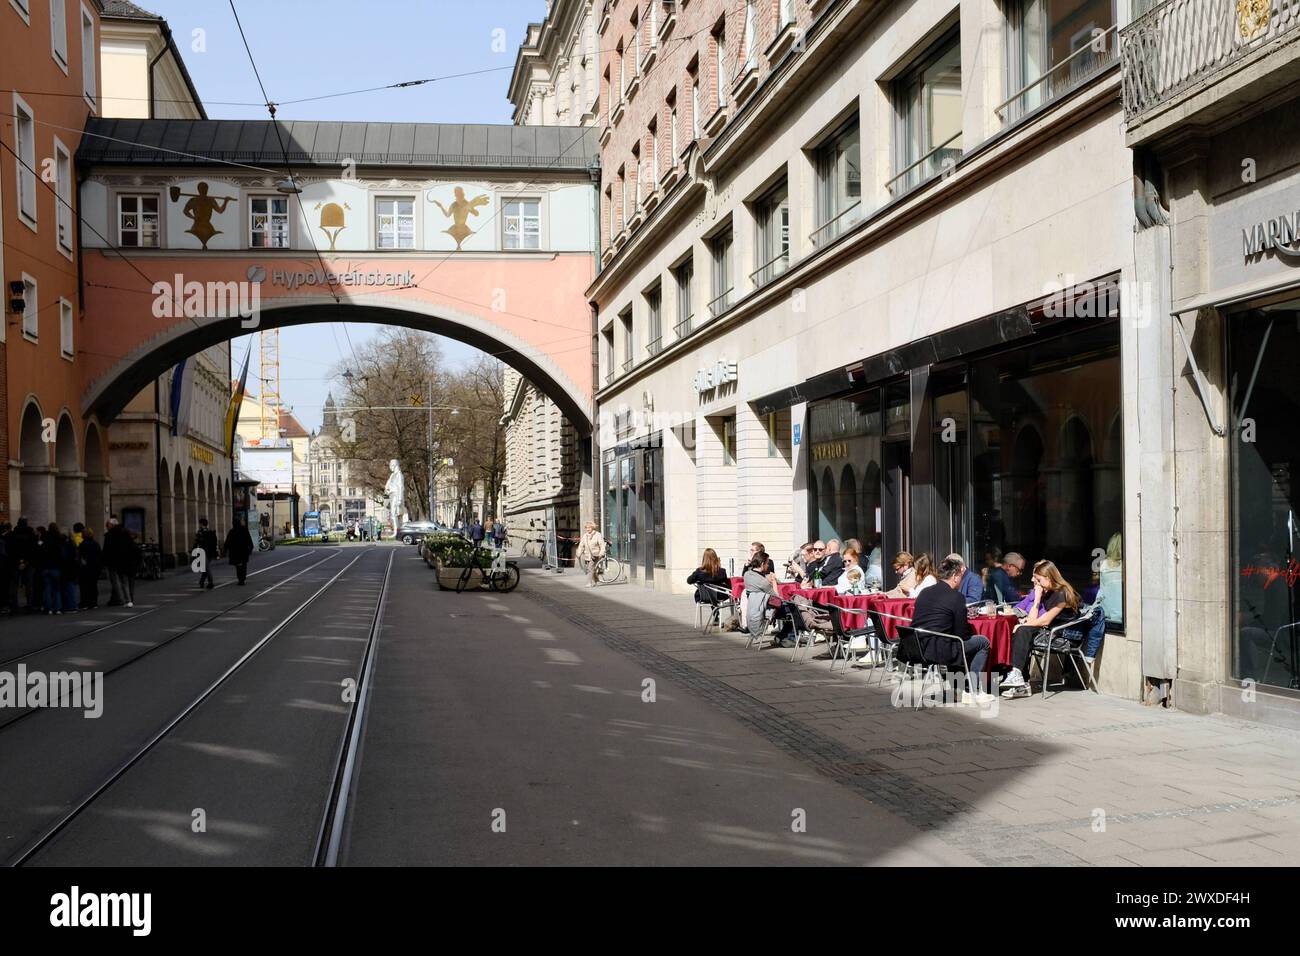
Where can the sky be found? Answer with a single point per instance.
(306, 48)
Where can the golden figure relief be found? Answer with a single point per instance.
(200, 208)
(1253, 16)
(458, 212)
(332, 218)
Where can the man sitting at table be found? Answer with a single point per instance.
(971, 588)
(832, 566)
(813, 556)
(1000, 584)
(942, 608)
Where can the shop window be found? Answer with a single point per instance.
(137, 222)
(845, 439)
(927, 102)
(1052, 47)
(1265, 449)
(839, 183)
(729, 440)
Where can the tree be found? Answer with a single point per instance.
(385, 415)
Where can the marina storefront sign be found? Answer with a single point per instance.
(1280, 234)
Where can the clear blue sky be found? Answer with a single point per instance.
(306, 48)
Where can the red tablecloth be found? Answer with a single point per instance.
(997, 629)
(787, 589)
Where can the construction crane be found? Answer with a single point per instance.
(270, 391)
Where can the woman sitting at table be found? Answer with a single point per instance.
(758, 590)
(854, 578)
(710, 573)
(1052, 601)
(925, 576)
(903, 562)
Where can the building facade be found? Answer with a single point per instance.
(863, 273)
(168, 472)
(554, 83)
(56, 457)
(333, 490)
(1210, 104)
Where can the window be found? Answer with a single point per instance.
(65, 328)
(521, 224)
(1052, 47)
(773, 449)
(268, 222)
(695, 109)
(625, 319)
(672, 129)
(607, 341)
(720, 63)
(636, 46)
(88, 49)
(395, 223)
(654, 318)
(927, 101)
(59, 33)
(622, 194)
(654, 155)
(63, 192)
(25, 135)
(613, 220)
(787, 12)
(751, 35)
(772, 239)
(720, 248)
(31, 318)
(137, 222)
(683, 275)
(729, 440)
(839, 183)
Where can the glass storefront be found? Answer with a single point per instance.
(1015, 451)
(1263, 348)
(634, 506)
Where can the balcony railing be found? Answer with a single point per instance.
(771, 269)
(1072, 72)
(683, 328)
(721, 304)
(627, 364)
(655, 345)
(928, 166)
(836, 224)
(1181, 42)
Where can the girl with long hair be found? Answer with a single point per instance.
(1054, 601)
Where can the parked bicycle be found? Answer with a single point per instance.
(501, 575)
(609, 570)
(150, 562)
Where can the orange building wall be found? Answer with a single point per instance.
(36, 369)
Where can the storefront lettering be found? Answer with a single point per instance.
(830, 449)
(292, 280)
(128, 445)
(199, 453)
(1290, 573)
(719, 373)
(1279, 234)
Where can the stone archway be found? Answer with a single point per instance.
(97, 483)
(36, 474)
(69, 479)
(180, 533)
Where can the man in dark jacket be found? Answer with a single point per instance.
(238, 548)
(91, 563)
(22, 561)
(942, 609)
(49, 558)
(121, 557)
(832, 566)
(206, 542)
(476, 533)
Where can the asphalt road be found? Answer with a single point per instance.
(495, 733)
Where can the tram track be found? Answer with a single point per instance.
(329, 831)
(130, 618)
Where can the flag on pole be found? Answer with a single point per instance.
(182, 394)
(232, 413)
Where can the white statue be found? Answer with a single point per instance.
(395, 491)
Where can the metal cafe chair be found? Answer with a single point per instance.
(939, 671)
(1055, 641)
(842, 637)
(770, 612)
(886, 645)
(720, 600)
(792, 611)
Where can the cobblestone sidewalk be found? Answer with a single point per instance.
(1076, 779)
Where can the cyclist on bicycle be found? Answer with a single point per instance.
(591, 548)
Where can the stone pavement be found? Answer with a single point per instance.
(1079, 778)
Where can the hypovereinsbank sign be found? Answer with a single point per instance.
(356, 277)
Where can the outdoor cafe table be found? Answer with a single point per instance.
(787, 590)
(997, 628)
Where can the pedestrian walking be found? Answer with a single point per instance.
(239, 548)
(476, 533)
(70, 570)
(498, 534)
(91, 559)
(591, 548)
(22, 557)
(121, 557)
(206, 543)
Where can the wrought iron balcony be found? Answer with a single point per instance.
(1181, 43)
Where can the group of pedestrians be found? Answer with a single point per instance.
(480, 531)
(237, 547)
(44, 569)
